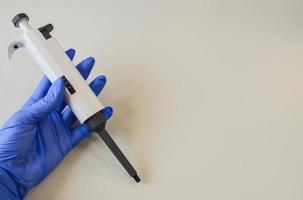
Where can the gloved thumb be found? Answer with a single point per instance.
(47, 104)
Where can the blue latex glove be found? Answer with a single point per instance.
(38, 136)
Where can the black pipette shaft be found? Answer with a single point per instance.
(117, 152)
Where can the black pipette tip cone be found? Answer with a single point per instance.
(137, 179)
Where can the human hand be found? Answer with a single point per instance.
(37, 137)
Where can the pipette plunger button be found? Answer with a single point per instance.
(18, 18)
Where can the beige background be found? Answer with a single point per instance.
(208, 96)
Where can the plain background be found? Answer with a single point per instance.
(207, 94)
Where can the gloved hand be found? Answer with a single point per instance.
(38, 136)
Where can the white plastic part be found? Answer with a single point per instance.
(55, 64)
(24, 25)
(14, 46)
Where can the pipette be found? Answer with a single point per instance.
(55, 64)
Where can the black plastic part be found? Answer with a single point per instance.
(97, 124)
(18, 18)
(45, 30)
(137, 178)
(108, 140)
(68, 86)
(97, 120)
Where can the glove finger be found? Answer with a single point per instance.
(45, 84)
(107, 112)
(96, 85)
(84, 130)
(39, 92)
(46, 104)
(84, 67)
(71, 53)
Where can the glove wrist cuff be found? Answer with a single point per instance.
(9, 189)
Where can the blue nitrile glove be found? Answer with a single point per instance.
(38, 136)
